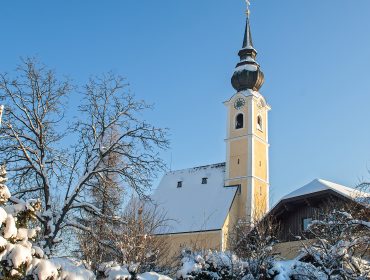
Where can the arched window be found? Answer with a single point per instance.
(259, 123)
(239, 121)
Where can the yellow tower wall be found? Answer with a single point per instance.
(238, 158)
(247, 160)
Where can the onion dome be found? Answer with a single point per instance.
(247, 74)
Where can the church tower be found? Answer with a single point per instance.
(247, 148)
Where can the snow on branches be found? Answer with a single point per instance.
(20, 257)
(211, 265)
(113, 271)
(342, 243)
(64, 178)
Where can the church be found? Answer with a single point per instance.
(204, 203)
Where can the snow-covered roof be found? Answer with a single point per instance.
(195, 206)
(318, 185)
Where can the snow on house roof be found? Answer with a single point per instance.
(318, 185)
(195, 206)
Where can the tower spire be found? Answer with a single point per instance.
(248, 42)
(247, 74)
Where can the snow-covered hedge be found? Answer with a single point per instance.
(214, 265)
(295, 270)
(113, 271)
(210, 265)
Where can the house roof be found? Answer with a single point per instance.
(320, 187)
(195, 206)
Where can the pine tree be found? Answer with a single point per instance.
(20, 258)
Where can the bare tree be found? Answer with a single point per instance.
(107, 196)
(138, 241)
(134, 243)
(35, 128)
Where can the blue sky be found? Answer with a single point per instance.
(180, 56)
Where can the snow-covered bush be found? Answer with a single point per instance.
(211, 265)
(72, 269)
(295, 270)
(253, 242)
(341, 250)
(225, 266)
(113, 271)
(251, 256)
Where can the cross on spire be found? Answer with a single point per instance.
(248, 2)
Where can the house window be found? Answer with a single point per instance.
(204, 181)
(306, 222)
(179, 184)
(259, 123)
(239, 121)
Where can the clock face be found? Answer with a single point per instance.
(239, 103)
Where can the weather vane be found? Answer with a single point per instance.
(248, 6)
